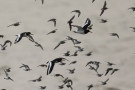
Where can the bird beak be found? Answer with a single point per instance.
(90, 32)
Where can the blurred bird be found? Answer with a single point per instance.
(90, 62)
(93, 1)
(79, 48)
(53, 20)
(73, 62)
(15, 24)
(69, 86)
(108, 69)
(53, 31)
(83, 30)
(105, 82)
(75, 41)
(8, 70)
(1, 36)
(90, 86)
(104, 8)
(70, 22)
(52, 63)
(132, 8)
(61, 42)
(57, 75)
(43, 65)
(70, 38)
(38, 45)
(42, 87)
(7, 41)
(114, 70)
(77, 11)
(26, 67)
(7, 76)
(114, 34)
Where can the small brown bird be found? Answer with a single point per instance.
(70, 22)
(114, 34)
(15, 24)
(61, 42)
(53, 20)
(77, 11)
(53, 31)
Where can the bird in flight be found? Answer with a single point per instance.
(77, 11)
(104, 8)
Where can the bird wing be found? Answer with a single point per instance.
(87, 23)
(72, 18)
(107, 80)
(19, 37)
(70, 26)
(102, 12)
(79, 27)
(57, 45)
(41, 47)
(6, 73)
(106, 72)
(92, 2)
(50, 67)
(113, 71)
(61, 76)
(31, 38)
(104, 4)
(55, 23)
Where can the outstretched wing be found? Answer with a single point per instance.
(50, 67)
(87, 23)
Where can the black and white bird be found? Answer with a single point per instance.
(105, 82)
(104, 8)
(42, 1)
(26, 67)
(84, 29)
(53, 31)
(8, 70)
(42, 65)
(53, 20)
(38, 45)
(19, 36)
(103, 20)
(61, 42)
(15, 24)
(7, 76)
(75, 41)
(114, 34)
(39, 79)
(110, 64)
(70, 22)
(52, 63)
(7, 41)
(77, 11)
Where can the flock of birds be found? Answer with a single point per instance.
(86, 28)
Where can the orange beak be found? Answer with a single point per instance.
(90, 32)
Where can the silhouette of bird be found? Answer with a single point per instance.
(53, 20)
(53, 31)
(108, 69)
(15, 24)
(114, 70)
(104, 8)
(77, 11)
(70, 22)
(114, 34)
(61, 42)
(105, 82)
